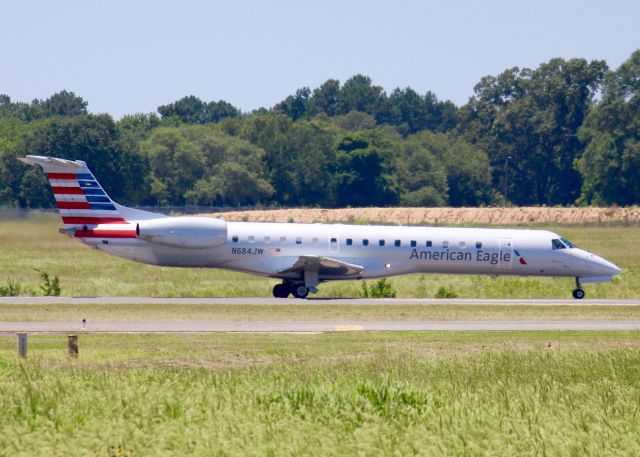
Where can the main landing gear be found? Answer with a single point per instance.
(578, 292)
(297, 289)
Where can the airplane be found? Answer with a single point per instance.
(306, 255)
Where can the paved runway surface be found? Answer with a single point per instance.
(292, 301)
(309, 326)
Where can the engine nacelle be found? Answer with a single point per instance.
(184, 232)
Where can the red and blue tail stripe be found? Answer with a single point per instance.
(81, 199)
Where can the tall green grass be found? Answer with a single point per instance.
(35, 243)
(411, 394)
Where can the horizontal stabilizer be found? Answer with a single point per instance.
(53, 162)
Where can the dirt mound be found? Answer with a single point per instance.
(440, 216)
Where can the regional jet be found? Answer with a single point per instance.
(306, 255)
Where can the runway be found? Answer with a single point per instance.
(311, 301)
(312, 326)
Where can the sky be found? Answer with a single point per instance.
(130, 56)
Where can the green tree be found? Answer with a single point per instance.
(359, 94)
(134, 128)
(421, 175)
(325, 99)
(231, 183)
(354, 121)
(189, 165)
(299, 157)
(270, 132)
(441, 169)
(610, 165)
(192, 110)
(439, 116)
(410, 112)
(531, 118)
(216, 111)
(21, 111)
(12, 131)
(364, 174)
(63, 103)
(295, 106)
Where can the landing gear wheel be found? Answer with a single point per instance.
(300, 291)
(578, 294)
(280, 291)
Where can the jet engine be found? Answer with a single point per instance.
(184, 232)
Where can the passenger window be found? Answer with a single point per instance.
(251, 239)
(462, 245)
(365, 242)
(315, 241)
(397, 243)
(267, 239)
(283, 239)
(413, 243)
(557, 244)
(349, 241)
(299, 240)
(429, 244)
(478, 244)
(381, 242)
(234, 238)
(445, 244)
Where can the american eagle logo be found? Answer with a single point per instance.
(520, 258)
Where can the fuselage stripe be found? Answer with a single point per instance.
(93, 220)
(100, 233)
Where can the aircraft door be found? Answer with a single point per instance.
(505, 253)
(334, 243)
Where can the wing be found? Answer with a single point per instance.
(325, 267)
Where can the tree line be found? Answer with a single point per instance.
(564, 133)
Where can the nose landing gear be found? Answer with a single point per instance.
(297, 289)
(578, 292)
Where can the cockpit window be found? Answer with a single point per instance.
(567, 243)
(561, 243)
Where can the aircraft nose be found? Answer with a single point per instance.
(603, 266)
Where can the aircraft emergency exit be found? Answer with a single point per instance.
(305, 255)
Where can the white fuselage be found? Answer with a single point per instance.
(269, 249)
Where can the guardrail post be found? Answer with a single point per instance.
(72, 344)
(22, 345)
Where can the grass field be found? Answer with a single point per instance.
(34, 242)
(474, 394)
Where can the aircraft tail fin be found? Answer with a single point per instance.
(79, 196)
